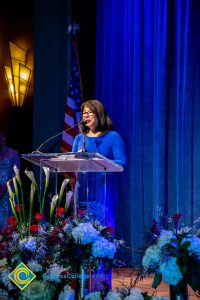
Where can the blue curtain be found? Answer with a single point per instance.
(148, 77)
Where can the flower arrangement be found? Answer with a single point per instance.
(53, 250)
(173, 254)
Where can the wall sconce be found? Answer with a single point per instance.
(18, 75)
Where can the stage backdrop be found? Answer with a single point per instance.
(148, 76)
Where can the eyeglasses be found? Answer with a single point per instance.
(87, 113)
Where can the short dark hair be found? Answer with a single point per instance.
(103, 121)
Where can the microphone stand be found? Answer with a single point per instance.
(83, 136)
(54, 136)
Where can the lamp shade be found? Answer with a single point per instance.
(18, 75)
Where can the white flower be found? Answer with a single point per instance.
(151, 259)
(5, 279)
(170, 271)
(53, 273)
(11, 194)
(135, 294)
(4, 276)
(102, 248)
(93, 296)
(85, 233)
(16, 170)
(31, 176)
(185, 229)
(68, 199)
(3, 262)
(54, 201)
(113, 295)
(47, 174)
(165, 237)
(160, 298)
(64, 183)
(34, 265)
(67, 293)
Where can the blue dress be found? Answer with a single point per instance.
(6, 173)
(97, 192)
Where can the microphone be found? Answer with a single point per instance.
(54, 136)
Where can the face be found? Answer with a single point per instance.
(2, 140)
(89, 117)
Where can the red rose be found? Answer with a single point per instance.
(18, 207)
(73, 284)
(34, 228)
(6, 231)
(64, 276)
(60, 211)
(55, 239)
(12, 221)
(39, 216)
(107, 229)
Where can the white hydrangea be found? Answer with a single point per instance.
(85, 233)
(170, 271)
(160, 298)
(67, 293)
(113, 295)
(28, 244)
(102, 248)
(53, 273)
(4, 276)
(185, 229)
(151, 258)
(165, 237)
(135, 294)
(3, 262)
(194, 247)
(93, 296)
(34, 265)
(5, 279)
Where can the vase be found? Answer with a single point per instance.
(180, 291)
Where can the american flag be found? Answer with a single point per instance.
(74, 101)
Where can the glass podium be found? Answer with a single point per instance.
(91, 170)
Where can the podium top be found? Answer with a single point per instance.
(73, 162)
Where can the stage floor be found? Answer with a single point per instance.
(124, 277)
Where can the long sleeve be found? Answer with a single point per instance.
(119, 150)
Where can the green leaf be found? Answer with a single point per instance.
(185, 245)
(147, 297)
(157, 280)
(183, 269)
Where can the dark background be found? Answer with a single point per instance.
(34, 26)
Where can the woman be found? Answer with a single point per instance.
(8, 158)
(97, 136)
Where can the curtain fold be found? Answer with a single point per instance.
(148, 75)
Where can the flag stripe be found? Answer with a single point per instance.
(74, 101)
